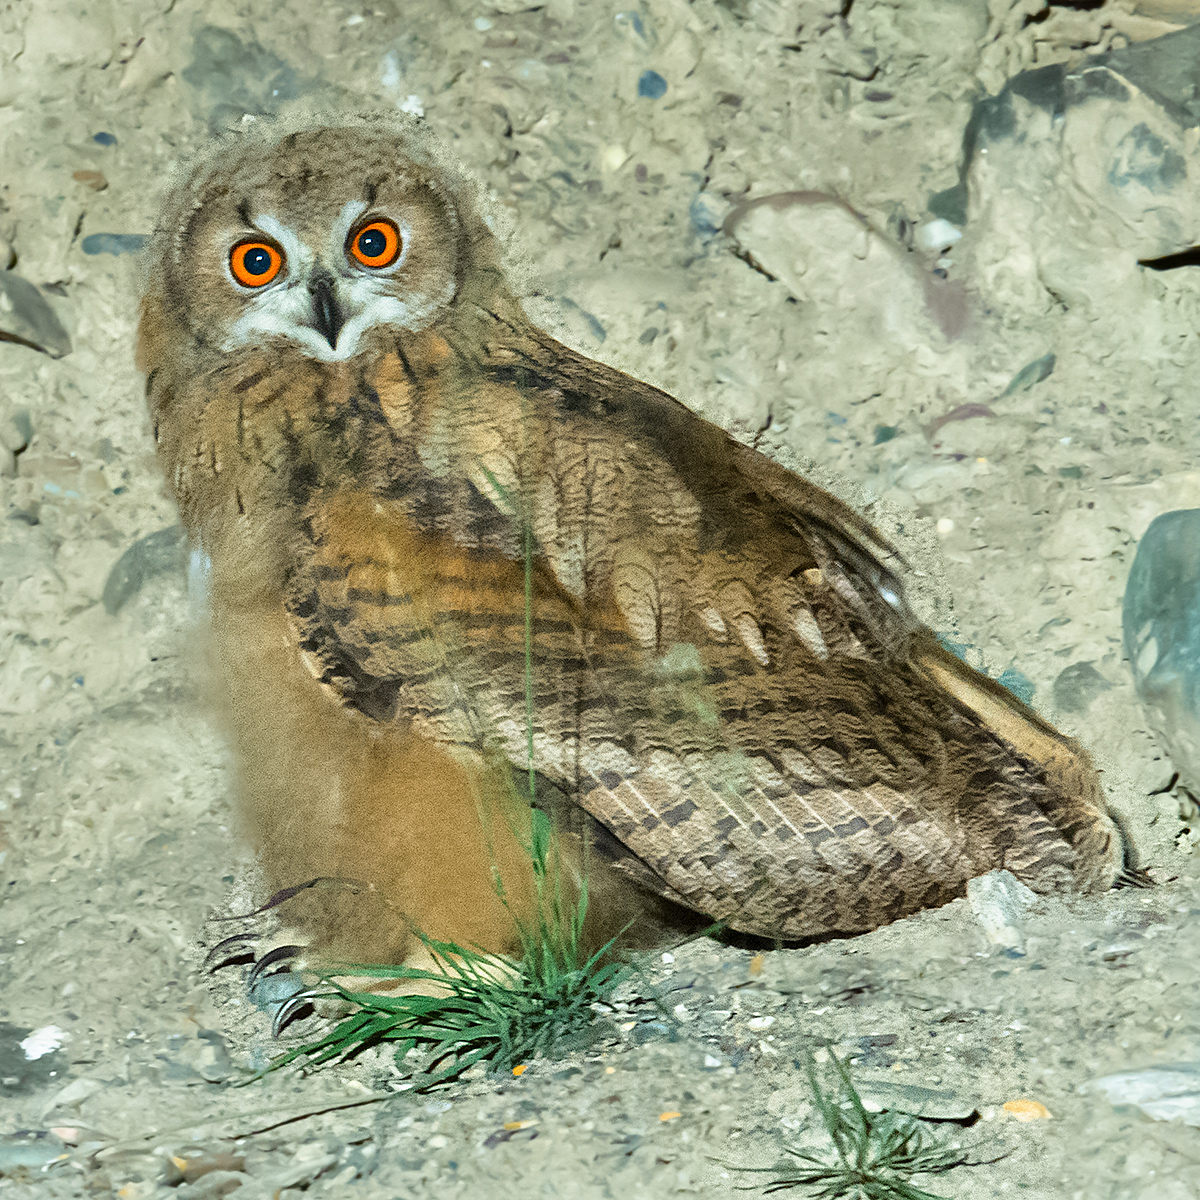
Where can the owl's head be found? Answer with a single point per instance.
(323, 238)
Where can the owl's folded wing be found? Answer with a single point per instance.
(709, 659)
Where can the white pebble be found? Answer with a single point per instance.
(612, 157)
(43, 1041)
(937, 235)
(1000, 901)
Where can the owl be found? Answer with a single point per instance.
(460, 572)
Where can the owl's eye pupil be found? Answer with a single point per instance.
(257, 261)
(372, 243)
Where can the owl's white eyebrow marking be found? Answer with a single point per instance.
(351, 211)
(299, 256)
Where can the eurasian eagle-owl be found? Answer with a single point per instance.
(443, 543)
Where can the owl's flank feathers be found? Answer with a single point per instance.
(733, 704)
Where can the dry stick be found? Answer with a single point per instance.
(191, 1126)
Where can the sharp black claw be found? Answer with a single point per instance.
(285, 894)
(290, 1009)
(1133, 877)
(238, 948)
(268, 960)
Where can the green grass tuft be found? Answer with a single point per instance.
(496, 1011)
(875, 1154)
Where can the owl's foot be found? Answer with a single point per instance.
(290, 969)
(274, 954)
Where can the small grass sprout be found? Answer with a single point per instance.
(875, 1154)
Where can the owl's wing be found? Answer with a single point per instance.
(706, 653)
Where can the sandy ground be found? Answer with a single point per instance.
(628, 148)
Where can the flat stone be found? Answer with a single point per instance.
(1165, 1092)
(27, 318)
(884, 1095)
(158, 553)
(29, 1151)
(113, 243)
(1161, 623)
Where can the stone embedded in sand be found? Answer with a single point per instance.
(158, 553)
(880, 1095)
(1026, 1110)
(113, 243)
(1075, 173)
(1077, 686)
(1000, 901)
(1164, 1092)
(1161, 621)
(29, 1151)
(27, 318)
(93, 179)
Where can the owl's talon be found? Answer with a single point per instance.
(1134, 877)
(293, 1009)
(279, 954)
(238, 949)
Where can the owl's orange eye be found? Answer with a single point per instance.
(255, 264)
(376, 244)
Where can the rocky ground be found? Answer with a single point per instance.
(864, 233)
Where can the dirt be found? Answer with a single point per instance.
(628, 150)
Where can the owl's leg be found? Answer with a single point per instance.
(1075, 809)
(327, 792)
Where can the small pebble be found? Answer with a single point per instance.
(937, 235)
(43, 1041)
(1026, 1110)
(651, 85)
(93, 179)
(1000, 901)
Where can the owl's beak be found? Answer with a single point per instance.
(327, 318)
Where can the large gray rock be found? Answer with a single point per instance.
(1161, 624)
(1074, 177)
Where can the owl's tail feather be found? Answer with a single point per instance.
(1077, 806)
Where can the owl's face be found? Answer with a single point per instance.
(323, 241)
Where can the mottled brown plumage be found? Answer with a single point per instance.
(726, 678)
